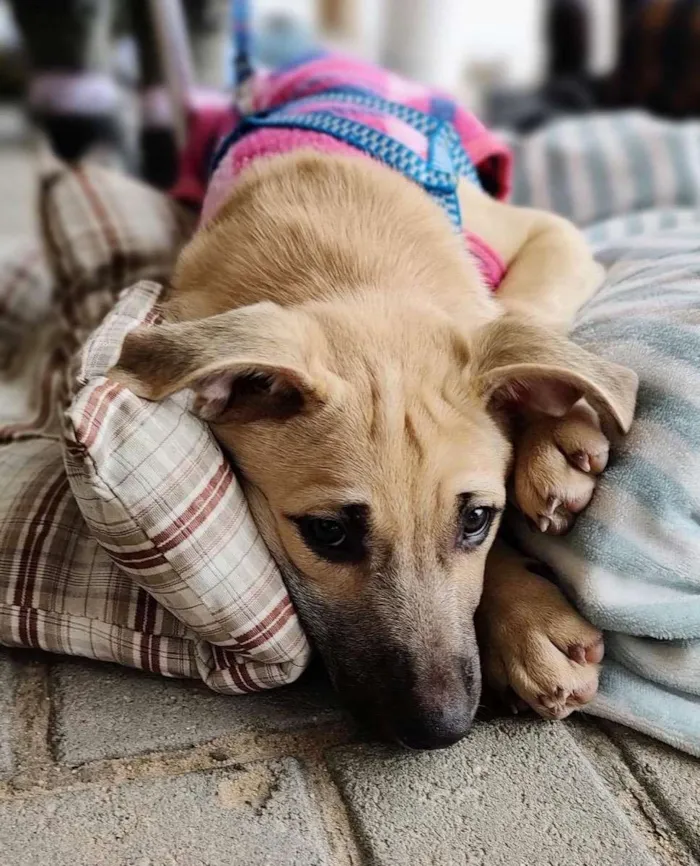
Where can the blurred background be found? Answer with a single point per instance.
(86, 73)
(469, 48)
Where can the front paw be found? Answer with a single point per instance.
(537, 650)
(556, 464)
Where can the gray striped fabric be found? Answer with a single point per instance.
(632, 562)
(595, 167)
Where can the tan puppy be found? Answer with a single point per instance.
(376, 398)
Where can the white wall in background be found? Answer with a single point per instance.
(442, 40)
(9, 37)
(507, 33)
(304, 9)
(439, 36)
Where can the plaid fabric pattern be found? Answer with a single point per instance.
(60, 590)
(103, 231)
(162, 500)
(31, 346)
(25, 295)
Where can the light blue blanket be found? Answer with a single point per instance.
(632, 562)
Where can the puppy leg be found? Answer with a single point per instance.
(556, 464)
(532, 640)
(551, 270)
(551, 274)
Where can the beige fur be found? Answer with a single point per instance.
(350, 359)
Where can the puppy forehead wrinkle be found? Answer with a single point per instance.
(389, 400)
(422, 425)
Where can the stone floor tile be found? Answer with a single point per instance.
(258, 815)
(102, 711)
(7, 683)
(671, 777)
(512, 794)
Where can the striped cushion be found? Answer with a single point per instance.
(633, 555)
(636, 180)
(631, 563)
(593, 167)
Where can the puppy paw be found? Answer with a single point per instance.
(556, 464)
(539, 652)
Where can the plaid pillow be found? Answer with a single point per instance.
(103, 231)
(61, 592)
(59, 589)
(163, 502)
(31, 346)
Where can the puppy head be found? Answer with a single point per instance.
(372, 443)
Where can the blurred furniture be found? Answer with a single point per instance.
(656, 64)
(658, 54)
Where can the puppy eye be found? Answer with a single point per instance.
(324, 532)
(340, 539)
(474, 525)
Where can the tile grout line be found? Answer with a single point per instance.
(646, 818)
(334, 812)
(36, 777)
(675, 826)
(37, 772)
(30, 724)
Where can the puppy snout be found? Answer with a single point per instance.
(440, 714)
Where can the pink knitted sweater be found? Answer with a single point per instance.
(239, 142)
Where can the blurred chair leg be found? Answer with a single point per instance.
(67, 35)
(162, 100)
(208, 24)
(180, 43)
(567, 35)
(72, 95)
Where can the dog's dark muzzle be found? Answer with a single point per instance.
(409, 679)
(418, 707)
(436, 725)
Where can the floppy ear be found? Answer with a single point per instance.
(243, 365)
(518, 362)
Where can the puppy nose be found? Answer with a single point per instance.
(438, 728)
